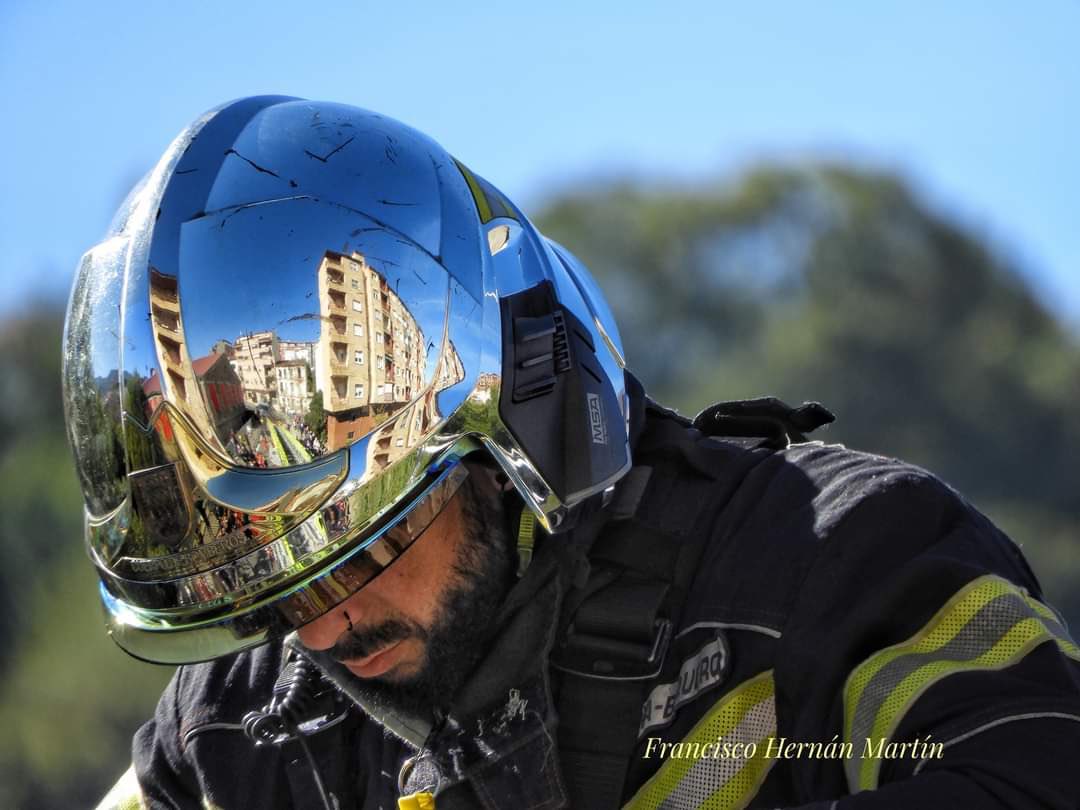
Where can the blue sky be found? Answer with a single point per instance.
(977, 103)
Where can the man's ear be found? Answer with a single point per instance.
(486, 474)
(493, 491)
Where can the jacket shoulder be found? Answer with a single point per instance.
(844, 480)
(224, 690)
(193, 747)
(864, 512)
(877, 513)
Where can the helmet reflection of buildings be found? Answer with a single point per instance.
(371, 350)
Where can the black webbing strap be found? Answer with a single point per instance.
(333, 769)
(610, 655)
(619, 625)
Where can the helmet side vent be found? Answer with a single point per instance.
(542, 351)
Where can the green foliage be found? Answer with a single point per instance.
(71, 699)
(315, 418)
(825, 283)
(141, 449)
(475, 417)
(30, 375)
(74, 698)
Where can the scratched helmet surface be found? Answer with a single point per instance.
(300, 321)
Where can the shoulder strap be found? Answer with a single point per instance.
(768, 417)
(306, 719)
(616, 628)
(644, 554)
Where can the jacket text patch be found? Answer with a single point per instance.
(703, 670)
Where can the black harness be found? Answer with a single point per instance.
(643, 558)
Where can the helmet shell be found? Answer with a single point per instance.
(300, 320)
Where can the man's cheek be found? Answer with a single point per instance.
(412, 663)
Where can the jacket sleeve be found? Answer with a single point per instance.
(166, 777)
(920, 639)
(158, 776)
(193, 753)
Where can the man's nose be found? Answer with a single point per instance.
(324, 632)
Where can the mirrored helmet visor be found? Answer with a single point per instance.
(281, 376)
(242, 621)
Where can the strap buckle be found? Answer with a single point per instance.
(615, 659)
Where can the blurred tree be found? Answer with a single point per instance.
(71, 698)
(38, 492)
(315, 418)
(822, 282)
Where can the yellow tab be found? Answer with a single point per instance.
(526, 539)
(417, 801)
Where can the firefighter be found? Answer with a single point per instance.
(499, 575)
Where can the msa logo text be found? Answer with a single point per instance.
(596, 420)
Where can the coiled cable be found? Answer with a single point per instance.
(294, 695)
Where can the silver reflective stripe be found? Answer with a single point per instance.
(989, 624)
(708, 776)
(999, 722)
(751, 628)
(721, 763)
(973, 638)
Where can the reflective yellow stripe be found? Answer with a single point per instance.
(276, 439)
(125, 794)
(301, 452)
(989, 624)
(482, 204)
(698, 774)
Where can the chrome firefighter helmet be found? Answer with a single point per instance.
(300, 321)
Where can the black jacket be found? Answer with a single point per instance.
(875, 639)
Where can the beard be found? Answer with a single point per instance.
(466, 618)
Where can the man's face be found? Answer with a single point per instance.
(414, 632)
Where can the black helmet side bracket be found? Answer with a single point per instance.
(555, 400)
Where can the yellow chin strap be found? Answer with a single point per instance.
(526, 538)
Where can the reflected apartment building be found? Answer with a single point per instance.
(410, 426)
(274, 372)
(293, 387)
(254, 356)
(208, 386)
(371, 352)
